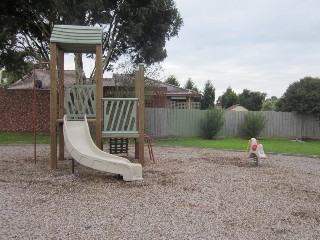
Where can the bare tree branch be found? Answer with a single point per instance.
(34, 53)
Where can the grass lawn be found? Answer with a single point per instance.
(311, 148)
(286, 146)
(12, 138)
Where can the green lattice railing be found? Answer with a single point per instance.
(80, 100)
(120, 116)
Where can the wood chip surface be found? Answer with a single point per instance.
(188, 194)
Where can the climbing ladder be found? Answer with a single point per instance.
(149, 141)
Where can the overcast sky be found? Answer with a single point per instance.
(260, 45)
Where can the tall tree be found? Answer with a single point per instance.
(172, 80)
(138, 28)
(302, 96)
(208, 97)
(228, 98)
(251, 100)
(191, 85)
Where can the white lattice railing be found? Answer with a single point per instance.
(80, 100)
(120, 116)
(185, 105)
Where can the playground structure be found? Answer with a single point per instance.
(112, 118)
(255, 151)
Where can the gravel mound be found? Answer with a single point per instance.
(188, 194)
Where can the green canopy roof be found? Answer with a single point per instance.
(76, 39)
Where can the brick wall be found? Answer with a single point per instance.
(16, 111)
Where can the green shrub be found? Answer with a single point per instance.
(211, 123)
(253, 124)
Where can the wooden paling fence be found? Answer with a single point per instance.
(160, 122)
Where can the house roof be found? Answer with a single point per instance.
(237, 108)
(44, 75)
(177, 91)
(172, 91)
(69, 78)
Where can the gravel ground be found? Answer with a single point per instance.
(188, 194)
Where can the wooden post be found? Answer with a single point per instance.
(140, 91)
(53, 105)
(61, 102)
(99, 92)
(137, 93)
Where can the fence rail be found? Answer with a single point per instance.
(80, 100)
(160, 122)
(120, 116)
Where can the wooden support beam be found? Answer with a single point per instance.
(137, 94)
(129, 135)
(99, 93)
(61, 101)
(140, 91)
(53, 105)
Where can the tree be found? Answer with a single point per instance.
(13, 57)
(191, 85)
(24, 33)
(172, 80)
(270, 104)
(279, 105)
(228, 98)
(251, 100)
(11, 76)
(211, 123)
(208, 97)
(125, 79)
(126, 66)
(135, 28)
(302, 96)
(253, 124)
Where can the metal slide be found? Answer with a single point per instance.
(83, 150)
